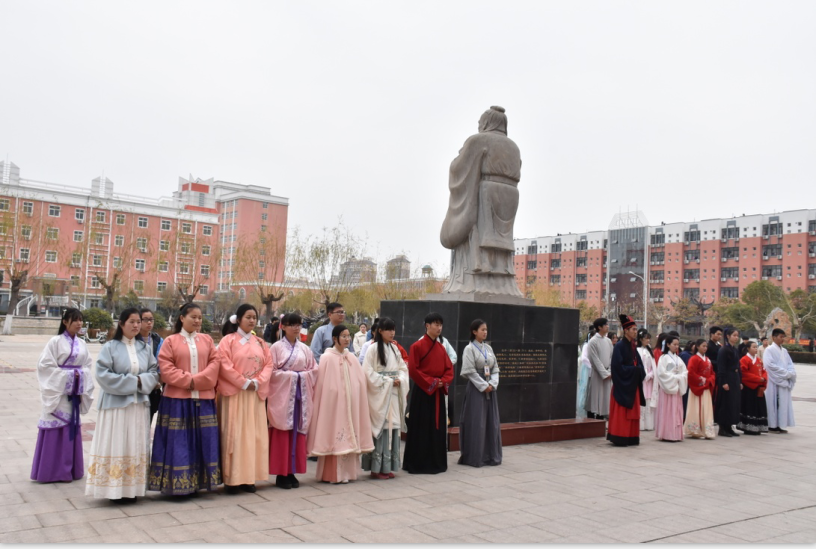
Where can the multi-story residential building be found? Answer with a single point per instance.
(75, 244)
(704, 260)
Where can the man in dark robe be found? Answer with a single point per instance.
(431, 370)
(714, 345)
(729, 385)
(627, 388)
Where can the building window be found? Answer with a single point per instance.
(264, 217)
(138, 285)
(729, 292)
(78, 236)
(207, 230)
(204, 290)
(94, 284)
(100, 217)
(25, 232)
(161, 287)
(580, 294)
(555, 279)
(163, 266)
(74, 281)
(143, 223)
(656, 294)
(581, 262)
(531, 264)
(119, 240)
(692, 255)
(772, 229)
(771, 272)
(556, 248)
(76, 259)
(5, 204)
(205, 250)
(140, 265)
(658, 239)
(691, 274)
(165, 225)
(117, 262)
(205, 270)
(24, 254)
(186, 228)
(263, 228)
(691, 293)
(580, 279)
(555, 264)
(52, 233)
(120, 219)
(141, 244)
(656, 277)
(265, 205)
(100, 239)
(730, 253)
(185, 247)
(730, 232)
(771, 251)
(164, 245)
(691, 236)
(184, 268)
(79, 215)
(97, 260)
(50, 256)
(28, 208)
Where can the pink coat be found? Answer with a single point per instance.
(252, 360)
(341, 424)
(174, 367)
(286, 364)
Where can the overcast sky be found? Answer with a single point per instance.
(687, 110)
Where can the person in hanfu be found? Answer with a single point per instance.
(584, 373)
(650, 384)
(753, 408)
(340, 431)
(600, 382)
(387, 386)
(186, 450)
(479, 424)
(729, 385)
(290, 404)
(627, 388)
(243, 385)
(431, 370)
(154, 341)
(66, 392)
(126, 372)
(699, 422)
(781, 379)
(360, 339)
(672, 378)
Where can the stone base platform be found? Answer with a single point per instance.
(541, 431)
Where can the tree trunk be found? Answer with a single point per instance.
(7, 323)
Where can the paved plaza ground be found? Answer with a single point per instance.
(746, 489)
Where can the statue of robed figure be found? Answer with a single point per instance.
(484, 198)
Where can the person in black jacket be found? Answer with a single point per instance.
(154, 341)
(627, 388)
(271, 330)
(729, 385)
(714, 346)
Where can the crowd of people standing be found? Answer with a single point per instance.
(685, 394)
(239, 411)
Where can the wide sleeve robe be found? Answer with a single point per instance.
(291, 367)
(386, 403)
(58, 384)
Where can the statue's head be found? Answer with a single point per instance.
(493, 120)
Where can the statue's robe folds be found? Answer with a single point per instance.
(478, 227)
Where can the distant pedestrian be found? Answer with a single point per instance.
(126, 372)
(763, 346)
(672, 378)
(66, 391)
(699, 421)
(729, 385)
(811, 344)
(650, 383)
(781, 379)
(599, 354)
(713, 352)
(613, 337)
(743, 347)
(479, 424)
(322, 338)
(271, 330)
(584, 372)
(753, 408)
(360, 339)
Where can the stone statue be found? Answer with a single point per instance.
(478, 227)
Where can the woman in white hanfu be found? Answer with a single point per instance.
(650, 384)
(66, 391)
(387, 386)
(127, 372)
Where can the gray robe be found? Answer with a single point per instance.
(599, 352)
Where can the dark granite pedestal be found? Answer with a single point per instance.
(536, 348)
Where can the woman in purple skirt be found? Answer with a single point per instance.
(66, 389)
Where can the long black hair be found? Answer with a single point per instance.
(669, 339)
(123, 317)
(728, 331)
(229, 327)
(337, 331)
(70, 315)
(184, 311)
(475, 325)
(642, 334)
(385, 324)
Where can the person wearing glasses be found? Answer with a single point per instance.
(322, 338)
(154, 342)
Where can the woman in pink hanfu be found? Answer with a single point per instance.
(290, 403)
(340, 432)
(672, 378)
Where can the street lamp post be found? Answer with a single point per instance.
(645, 301)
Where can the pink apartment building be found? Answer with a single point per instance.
(73, 241)
(702, 260)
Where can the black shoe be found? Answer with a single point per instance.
(782, 431)
(248, 488)
(724, 433)
(232, 490)
(293, 481)
(313, 458)
(734, 433)
(282, 482)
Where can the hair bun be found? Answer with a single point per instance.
(233, 319)
(497, 108)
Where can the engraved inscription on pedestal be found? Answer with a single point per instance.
(518, 365)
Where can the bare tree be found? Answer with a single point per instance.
(260, 263)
